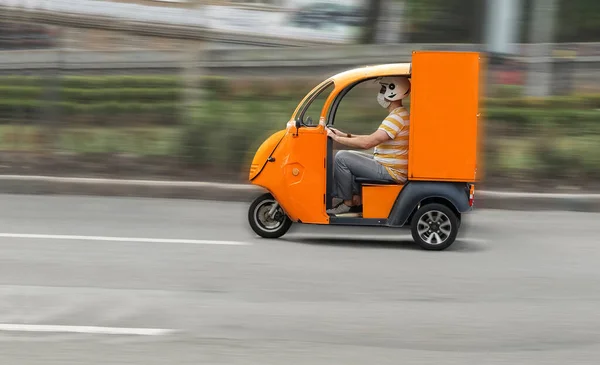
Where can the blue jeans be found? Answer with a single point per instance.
(351, 164)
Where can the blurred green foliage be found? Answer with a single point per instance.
(456, 21)
(537, 139)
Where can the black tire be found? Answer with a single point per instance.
(258, 209)
(444, 227)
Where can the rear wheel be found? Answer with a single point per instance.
(434, 227)
(267, 218)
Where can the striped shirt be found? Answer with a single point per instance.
(393, 154)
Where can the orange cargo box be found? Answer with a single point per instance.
(444, 116)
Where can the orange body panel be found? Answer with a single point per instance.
(444, 117)
(263, 153)
(481, 131)
(379, 199)
(297, 177)
(346, 78)
(443, 146)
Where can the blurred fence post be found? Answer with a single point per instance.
(190, 75)
(48, 113)
(392, 25)
(541, 33)
(563, 72)
(56, 120)
(192, 72)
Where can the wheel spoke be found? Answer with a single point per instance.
(429, 217)
(423, 231)
(422, 227)
(445, 231)
(446, 228)
(428, 239)
(437, 237)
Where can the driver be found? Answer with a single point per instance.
(389, 161)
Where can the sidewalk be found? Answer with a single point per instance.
(49, 185)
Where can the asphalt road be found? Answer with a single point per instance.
(518, 288)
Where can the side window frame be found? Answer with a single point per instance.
(308, 103)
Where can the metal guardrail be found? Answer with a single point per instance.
(85, 60)
(256, 57)
(69, 60)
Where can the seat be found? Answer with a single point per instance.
(364, 180)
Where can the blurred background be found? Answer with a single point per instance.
(187, 90)
(176, 89)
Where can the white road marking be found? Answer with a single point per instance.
(84, 329)
(120, 239)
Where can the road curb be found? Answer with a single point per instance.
(50, 185)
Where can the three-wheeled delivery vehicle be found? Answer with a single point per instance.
(295, 165)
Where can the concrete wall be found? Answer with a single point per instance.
(106, 40)
(175, 23)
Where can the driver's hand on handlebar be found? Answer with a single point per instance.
(336, 132)
(331, 133)
(340, 133)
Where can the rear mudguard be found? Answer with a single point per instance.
(415, 192)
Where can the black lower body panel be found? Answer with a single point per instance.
(355, 221)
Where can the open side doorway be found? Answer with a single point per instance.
(362, 92)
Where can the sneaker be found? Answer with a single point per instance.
(340, 209)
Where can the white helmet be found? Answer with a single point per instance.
(392, 89)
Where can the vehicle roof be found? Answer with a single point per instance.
(345, 78)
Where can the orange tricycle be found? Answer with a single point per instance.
(420, 175)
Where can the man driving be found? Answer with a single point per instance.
(389, 161)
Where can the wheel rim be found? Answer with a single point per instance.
(434, 227)
(266, 222)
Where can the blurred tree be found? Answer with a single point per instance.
(579, 21)
(445, 20)
(462, 20)
(370, 26)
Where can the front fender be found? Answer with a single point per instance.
(416, 191)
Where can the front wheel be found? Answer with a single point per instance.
(434, 227)
(267, 218)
